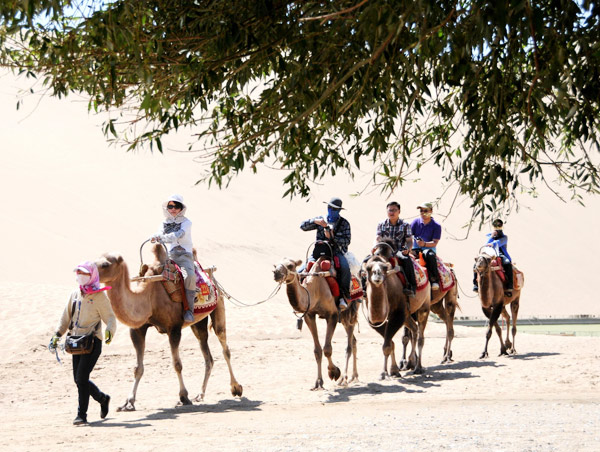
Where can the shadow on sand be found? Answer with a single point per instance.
(223, 406)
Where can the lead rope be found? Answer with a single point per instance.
(239, 303)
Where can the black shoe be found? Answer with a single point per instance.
(475, 289)
(79, 421)
(408, 291)
(508, 293)
(104, 407)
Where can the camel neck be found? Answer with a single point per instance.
(298, 296)
(129, 306)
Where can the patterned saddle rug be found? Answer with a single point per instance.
(356, 291)
(518, 277)
(447, 279)
(206, 289)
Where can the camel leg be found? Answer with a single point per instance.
(334, 371)
(406, 338)
(507, 342)
(318, 351)
(412, 329)
(174, 340)
(514, 307)
(200, 330)
(422, 316)
(138, 338)
(492, 314)
(220, 329)
(349, 323)
(446, 314)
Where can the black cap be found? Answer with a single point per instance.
(498, 223)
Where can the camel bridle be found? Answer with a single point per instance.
(372, 325)
(294, 274)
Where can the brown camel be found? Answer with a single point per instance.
(389, 309)
(313, 298)
(150, 305)
(493, 302)
(443, 302)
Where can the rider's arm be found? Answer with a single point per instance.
(309, 225)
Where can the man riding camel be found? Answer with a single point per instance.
(427, 233)
(399, 231)
(335, 230)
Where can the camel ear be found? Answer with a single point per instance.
(298, 263)
(475, 259)
(387, 266)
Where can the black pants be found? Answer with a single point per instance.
(82, 368)
(409, 270)
(430, 263)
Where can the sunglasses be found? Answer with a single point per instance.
(423, 210)
(171, 206)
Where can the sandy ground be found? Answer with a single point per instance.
(546, 398)
(67, 197)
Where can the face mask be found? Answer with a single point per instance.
(332, 215)
(82, 279)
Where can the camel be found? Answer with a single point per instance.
(149, 305)
(389, 309)
(493, 302)
(313, 298)
(443, 302)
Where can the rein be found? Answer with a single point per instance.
(366, 316)
(300, 318)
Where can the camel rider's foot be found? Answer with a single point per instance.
(343, 305)
(104, 406)
(79, 421)
(409, 291)
(435, 286)
(188, 316)
(475, 289)
(508, 293)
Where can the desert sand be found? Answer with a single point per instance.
(69, 197)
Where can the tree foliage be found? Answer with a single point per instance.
(502, 95)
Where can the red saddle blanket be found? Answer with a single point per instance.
(518, 277)
(206, 291)
(356, 291)
(447, 279)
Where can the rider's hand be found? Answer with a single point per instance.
(53, 342)
(107, 337)
(156, 239)
(321, 222)
(405, 252)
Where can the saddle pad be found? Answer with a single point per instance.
(171, 271)
(356, 291)
(206, 291)
(420, 274)
(518, 278)
(446, 275)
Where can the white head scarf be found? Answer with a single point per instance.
(180, 216)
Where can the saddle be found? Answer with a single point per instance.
(447, 277)
(206, 289)
(518, 277)
(324, 264)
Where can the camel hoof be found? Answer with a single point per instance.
(237, 390)
(383, 376)
(185, 401)
(335, 374)
(483, 355)
(318, 385)
(127, 407)
(418, 371)
(198, 398)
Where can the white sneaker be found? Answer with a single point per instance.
(343, 305)
(435, 286)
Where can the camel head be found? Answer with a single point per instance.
(285, 271)
(109, 267)
(482, 263)
(376, 269)
(385, 248)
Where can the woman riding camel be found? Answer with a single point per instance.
(86, 309)
(176, 233)
(498, 240)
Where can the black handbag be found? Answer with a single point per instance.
(79, 345)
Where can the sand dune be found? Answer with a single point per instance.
(68, 197)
